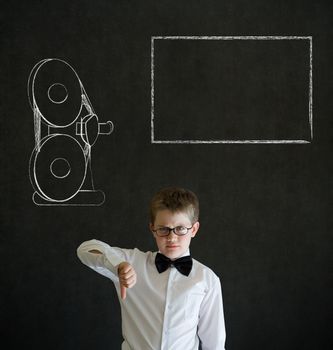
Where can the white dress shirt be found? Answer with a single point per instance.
(166, 311)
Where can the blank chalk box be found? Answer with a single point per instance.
(235, 89)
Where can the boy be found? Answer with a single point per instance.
(175, 302)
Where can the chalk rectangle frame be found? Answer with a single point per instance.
(259, 141)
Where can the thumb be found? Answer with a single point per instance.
(123, 292)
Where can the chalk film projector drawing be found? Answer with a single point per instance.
(66, 127)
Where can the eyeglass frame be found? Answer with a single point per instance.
(173, 230)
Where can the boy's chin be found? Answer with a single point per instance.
(173, 254)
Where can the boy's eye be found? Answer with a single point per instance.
(163, 229)
(181, 229)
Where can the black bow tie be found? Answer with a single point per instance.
(183, 264)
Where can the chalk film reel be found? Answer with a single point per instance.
(60, 162)
(56, 90)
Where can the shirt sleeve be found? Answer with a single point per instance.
(106, 263)
(211, 326)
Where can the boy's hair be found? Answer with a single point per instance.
(175, 199)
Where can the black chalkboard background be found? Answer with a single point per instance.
(266, 223)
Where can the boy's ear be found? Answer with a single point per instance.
(195, 228)
(151, 227)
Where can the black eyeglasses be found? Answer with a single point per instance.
(178, 230)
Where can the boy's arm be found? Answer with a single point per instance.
(109, 262)
(211, 327)
(100, 257)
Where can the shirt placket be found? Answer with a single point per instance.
(167, 310)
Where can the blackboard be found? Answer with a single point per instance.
(230, 99)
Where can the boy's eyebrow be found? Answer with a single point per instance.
(181, 225)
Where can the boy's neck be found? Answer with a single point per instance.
(187, 252)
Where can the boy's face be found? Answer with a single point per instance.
(173, 246)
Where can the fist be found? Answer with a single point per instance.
(127, 277)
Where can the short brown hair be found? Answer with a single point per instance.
(175, 199)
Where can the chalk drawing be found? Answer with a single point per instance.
(259, 141)
(65, 127)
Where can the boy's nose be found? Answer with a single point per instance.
(172, 236)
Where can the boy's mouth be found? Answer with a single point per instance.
(172, 246)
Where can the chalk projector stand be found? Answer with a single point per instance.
(81, 198)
